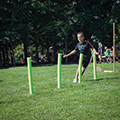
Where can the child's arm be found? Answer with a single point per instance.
(101, 51)
(95, 51)
(71, 53)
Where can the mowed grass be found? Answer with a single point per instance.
(91, 100)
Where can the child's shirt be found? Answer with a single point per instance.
(118, 52)
(107, 53)
(92, 53)
(99, 49)
(111, 54)
(85, 49)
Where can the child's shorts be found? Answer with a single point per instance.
(85, 63)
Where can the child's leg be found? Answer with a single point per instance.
(100, 58)
(91, 59)
(77, 72)
(117, 58)
(83, 70)
(110, 59)
(106, 59)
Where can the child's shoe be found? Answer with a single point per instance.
(75, 80)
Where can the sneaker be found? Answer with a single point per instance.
(75, 80)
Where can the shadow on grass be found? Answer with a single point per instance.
(108, 78)
(11, 66)
(23, 65)
(1, 80)
(9, 102)
(43, 65)
(103, 79)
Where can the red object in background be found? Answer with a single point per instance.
(23, 61)
(11, 59)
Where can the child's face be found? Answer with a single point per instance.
(99, 44)
(80, 38)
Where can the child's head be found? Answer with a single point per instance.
(81, 37)
(105, 47)
(109, 49)
(100, 44)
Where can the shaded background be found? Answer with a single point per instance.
(41, 28)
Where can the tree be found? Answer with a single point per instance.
(55, 23)
(94, 17)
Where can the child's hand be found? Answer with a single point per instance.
(97, 53)
(64, 56)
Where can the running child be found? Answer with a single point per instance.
(84, 47)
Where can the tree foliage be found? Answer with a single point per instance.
(46, 23)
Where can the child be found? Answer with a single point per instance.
(100, 52)
(83, 47)
(91, 59)
(111, 56)
(118, 51)
(115, 54)
(106, 54)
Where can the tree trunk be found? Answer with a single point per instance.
(66, 50)
(48, 54)
(25, 53)
(3, 53)
(53, 40)
(0, 59)
(7, 60)
(36, 47)
(54, 50)
(13, 58)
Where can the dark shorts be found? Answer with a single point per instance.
(85, 63)
(99, 53)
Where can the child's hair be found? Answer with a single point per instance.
(105, 47)
(100, 44)
(81, 33)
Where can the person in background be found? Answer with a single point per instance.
(115, 54)
(11, 59)
(100, 52)
(106, 54)
(118, 51)
(91, 59)
(111, 56)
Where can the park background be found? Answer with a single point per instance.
(43, 28)
(31, 28)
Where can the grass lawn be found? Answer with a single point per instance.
(91, 100)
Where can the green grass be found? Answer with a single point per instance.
(91, 100)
